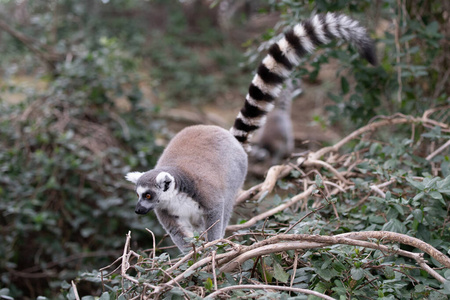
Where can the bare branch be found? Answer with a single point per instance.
(273, 211)
(267, 287)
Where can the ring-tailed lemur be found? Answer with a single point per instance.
(275, 140)
(196, 179)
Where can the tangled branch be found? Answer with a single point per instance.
(236, 254)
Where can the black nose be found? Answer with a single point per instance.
(141, 210)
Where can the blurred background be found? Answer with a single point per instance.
(91, 89)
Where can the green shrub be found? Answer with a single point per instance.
(64, 154)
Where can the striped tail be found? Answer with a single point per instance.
(284, 55)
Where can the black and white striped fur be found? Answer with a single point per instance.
(284, 55)
(196, 180)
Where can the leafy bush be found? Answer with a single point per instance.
(385, 196)
(64, 154)
(394, 183)
(192, 65)
(65, 206)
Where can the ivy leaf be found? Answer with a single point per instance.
(344, 85)
(104, 296)
(447, 287)
(418, 185)
(395, 225)
(208, 284)
(279, 273)
(357, 273)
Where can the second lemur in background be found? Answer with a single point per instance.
(275, 141)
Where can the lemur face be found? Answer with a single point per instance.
(148, 200)
(152, 187)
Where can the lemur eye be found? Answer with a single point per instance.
(148, 196)
(137, 195)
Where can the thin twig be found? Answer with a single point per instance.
(438, 150)
(154, 247)
(203, 233)
(294, 268)
(273, 211)
(75, 291)
(213, 266)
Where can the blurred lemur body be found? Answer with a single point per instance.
(275, 140)
(196, 179)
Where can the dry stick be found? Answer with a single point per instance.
(376, 188)
(75, 291)
(248, 194)
(201, 235)
(315, 162)
(160, 288)
(318, 154)
(294, 268)
(438, 150)
(302, 218)
(213, 266)
(176, 282)
(268, 287)
(273, 211)
(428, 112)
(126, 264)
(205, 246)
(154, 247)
(107, 267)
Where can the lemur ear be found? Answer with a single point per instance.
(133, 176)
(165, 181)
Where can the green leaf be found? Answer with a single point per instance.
(446, 287)
(357, 273)
(344, 85)
(208, 284)
(394, 225)
(436, 195)
(104, 296)
(326, 274)
(447, 274)
(389, 272)
(338, 266)
(279, 273)
(418, 185)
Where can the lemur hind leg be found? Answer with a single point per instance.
(215, 223)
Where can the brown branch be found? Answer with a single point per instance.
(404, 239)
(283, 242)
(267, 287)
(273, 211)
(315, 162)
(370, 127)
(438, 150)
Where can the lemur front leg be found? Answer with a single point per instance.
(176, 230)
